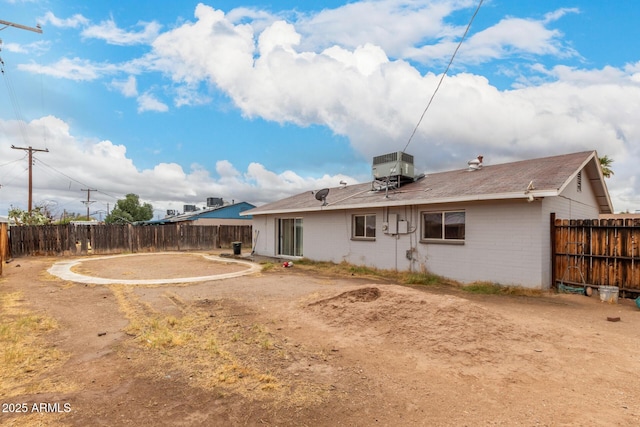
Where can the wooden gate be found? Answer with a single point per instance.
(597, 252)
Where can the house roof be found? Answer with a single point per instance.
(549, 177)
(232, 211)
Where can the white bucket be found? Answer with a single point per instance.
(608, 294)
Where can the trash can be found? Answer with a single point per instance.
(608, 294)
(237, 248)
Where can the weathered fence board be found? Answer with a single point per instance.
(235, 233)
(596, 253)
(80, 239)
(4, 244)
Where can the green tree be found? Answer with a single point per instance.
(605, 164)
(37, 216)
(129, 210)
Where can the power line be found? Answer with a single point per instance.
(443, 74)
(13, 98)
(15, 175)
(14, 102)
(12, 161)
(62, 173)
(76, 181)
(12, 95)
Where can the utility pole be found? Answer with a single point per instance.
(35, 29)
(88, 201)
(30, 150)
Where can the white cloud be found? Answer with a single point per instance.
(75, 21)
(37, 48)
(148, 102)
(73, 69)
(112, 34)
(73, 164)
(187, 95)
(212, 49)
(394, 25)
(13, 47)
(511, 37)
(559, 13)
(106, 30)
(127, 87)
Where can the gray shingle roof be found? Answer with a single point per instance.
(492, 182)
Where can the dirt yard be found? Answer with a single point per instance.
(288, 348)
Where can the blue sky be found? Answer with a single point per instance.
(257, 100)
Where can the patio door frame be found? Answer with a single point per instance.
(290, 237)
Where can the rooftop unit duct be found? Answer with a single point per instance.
(393, 167)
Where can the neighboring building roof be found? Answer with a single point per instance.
(550, 175)
(635, 216)
(220, 212)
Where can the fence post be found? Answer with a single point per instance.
(4, 243)
(552, 229)
(130, 237)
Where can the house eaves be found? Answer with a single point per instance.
(389, 202)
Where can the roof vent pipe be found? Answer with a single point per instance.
(475, 164)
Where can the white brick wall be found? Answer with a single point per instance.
(507, 242)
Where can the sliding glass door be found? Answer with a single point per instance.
(290, 236)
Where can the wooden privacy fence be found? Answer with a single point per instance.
(81, 239)
(597, 252)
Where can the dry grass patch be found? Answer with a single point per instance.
(411, 278)
(490, 288)
(346, 269)
(25, 355)
(210, 347)
(36, 420)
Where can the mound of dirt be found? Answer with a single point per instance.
(439, 328)
(367, 294)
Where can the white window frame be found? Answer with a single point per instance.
(367, 226)
(443, 232)
(290, 238)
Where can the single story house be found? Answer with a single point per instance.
(218, 215)
(481, 223)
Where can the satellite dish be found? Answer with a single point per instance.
(321, 195)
